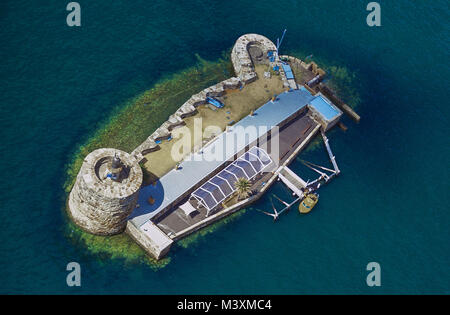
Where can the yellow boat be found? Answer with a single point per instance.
(308, 203)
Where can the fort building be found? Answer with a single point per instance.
(109, 195)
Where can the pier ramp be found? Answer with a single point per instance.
(292, 180)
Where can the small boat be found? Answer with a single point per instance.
(308, 202)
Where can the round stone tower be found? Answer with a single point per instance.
(105, 192)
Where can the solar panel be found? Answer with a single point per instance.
(206, 197)
(230, 178)
(248, 169)
(214, 190)
(236, 171)
(256, 163)
(221, 186)
(261, 155)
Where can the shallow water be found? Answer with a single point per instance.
(390, 205)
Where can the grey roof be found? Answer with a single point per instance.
(199, 165)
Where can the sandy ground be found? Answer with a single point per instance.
(238, 104)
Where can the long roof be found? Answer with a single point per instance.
(197, 166)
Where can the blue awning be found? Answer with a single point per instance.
(288, 71)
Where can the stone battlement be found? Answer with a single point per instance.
(99, 204)
(189, 108)
(244, 69)
(240, 56)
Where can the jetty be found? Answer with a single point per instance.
(299, 186)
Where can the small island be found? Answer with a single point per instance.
(219, 152)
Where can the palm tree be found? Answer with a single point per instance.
(242, 186)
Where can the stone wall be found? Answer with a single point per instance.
(189, 108)
(240, 57)
(102, 206)
(243, 68)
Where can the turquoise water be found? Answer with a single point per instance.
(390, 205)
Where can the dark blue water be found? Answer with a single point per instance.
(390, 205)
